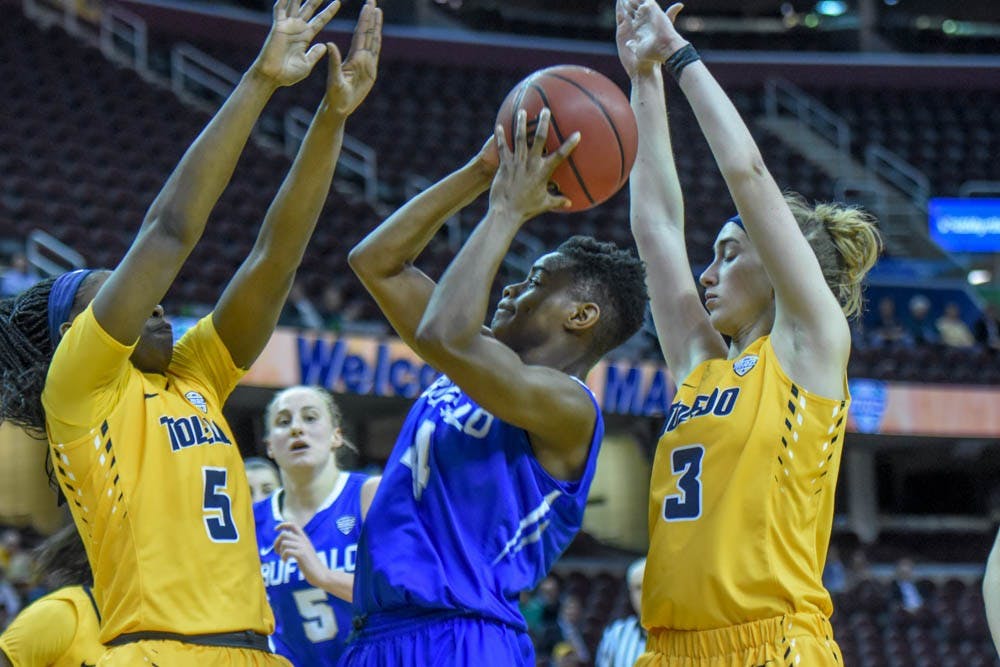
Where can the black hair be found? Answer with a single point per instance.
(62, 559)
(25, 353)
(615, 279)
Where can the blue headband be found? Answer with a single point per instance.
(738, 220)
(61, 299)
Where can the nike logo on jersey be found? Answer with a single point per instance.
(150, 395)
(266, 550)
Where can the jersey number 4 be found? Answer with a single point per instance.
(686, 505)
(218, 506)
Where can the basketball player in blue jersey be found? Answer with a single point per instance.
(487, 483)
(307, 531)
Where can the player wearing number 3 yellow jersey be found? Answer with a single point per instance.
(741, 500)
(137, 439)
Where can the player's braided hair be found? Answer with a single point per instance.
(25, 353)
(615, 279)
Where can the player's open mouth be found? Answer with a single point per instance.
(299, 446)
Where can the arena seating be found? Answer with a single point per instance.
(84, 165)
(949, 136)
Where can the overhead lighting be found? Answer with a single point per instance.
(831, 7)
(811, 20)
(891, 3)
(980, 276)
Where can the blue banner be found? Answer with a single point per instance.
(965, 225)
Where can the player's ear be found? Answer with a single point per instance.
(267, 448)
(584, 316)
(63, 328)
(337, 439)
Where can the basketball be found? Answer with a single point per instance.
(581, 100)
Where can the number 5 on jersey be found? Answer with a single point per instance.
(218, 507)
(686, 505)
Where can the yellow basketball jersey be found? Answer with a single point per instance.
(155, 483)
(58, 630)
(741, 498)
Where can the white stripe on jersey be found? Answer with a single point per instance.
(536, 515)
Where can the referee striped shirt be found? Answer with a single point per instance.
(622, 644)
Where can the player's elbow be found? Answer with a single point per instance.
(360, 260)
(745, 165)
(433, 337)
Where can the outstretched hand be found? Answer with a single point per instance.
(348, 83)
(645, 34)
(521, 184)
(287, 56)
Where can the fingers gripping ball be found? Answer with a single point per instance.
(585, 101)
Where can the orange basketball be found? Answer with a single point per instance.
(581, 100)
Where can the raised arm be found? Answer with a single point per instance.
(177, 217)
(809, 323)
(551, 406)
(249, 307)
(656, 212)
(383, 261)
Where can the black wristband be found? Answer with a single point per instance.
(680, 59)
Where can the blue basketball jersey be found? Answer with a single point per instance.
(465, 517)
(311, 626)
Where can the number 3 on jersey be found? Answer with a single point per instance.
(686, 505)
(218, 506)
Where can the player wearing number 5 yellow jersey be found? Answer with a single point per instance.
(741, 500)
(138, 442)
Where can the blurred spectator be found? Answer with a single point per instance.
(904, 589)
(860, 571)
(987, 328)
(888, 330)
(571, 626)
(920, 328)
(18, 277)
(339, 314)
(299, 311)
(9, 599)
(834, 572)
(625, 639)
(15, 560)
(860, 338)
(564, 655)
(541, 611)
(953, 330)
